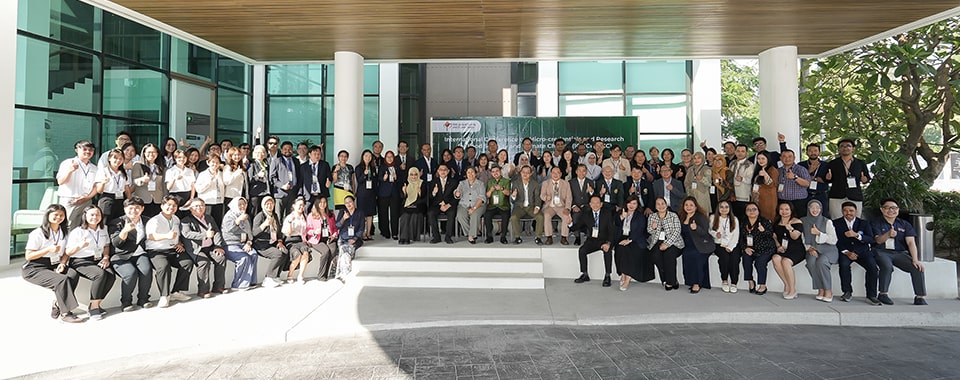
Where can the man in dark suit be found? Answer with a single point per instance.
(526, 204)
(458, 166)
(284, 178)
(442, 201)
(204, 243)
(316, 177)
(527, 149)
(426, 163)
(638, 185)
(669, 188)
(581, 188)
(610, 190)
(603, 233)
(854, 237)
(404, 160)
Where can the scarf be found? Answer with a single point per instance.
(820, 221)
(413, 188)
(720, 171)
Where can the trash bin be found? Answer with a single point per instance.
(923, 223)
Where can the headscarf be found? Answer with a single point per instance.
(234, 205)
(273, 215)
(720, 171)
(593, 171)
(820, 221)
(413, 187)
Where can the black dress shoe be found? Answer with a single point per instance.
(488, 240)
(606, 282)
(449, 241)
(753, 290)
(503, 240)
(873, 301)
(885, 299)
(518, 241)
(538, 241)
(576, 241)
(435, 241)
(846, 296)
(583, 278)
(919, 301)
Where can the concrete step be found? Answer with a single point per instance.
(454, 265)
(445, 251)
(451, 280)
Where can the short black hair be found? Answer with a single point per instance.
(125, 133)
(813, 145)
(849, 140)
(84, 144)
(134, 200)
(314, 148)
(559, 139)
(731, 143)
(759, 138)
(885, 200)
(849, 204)
(227, 141)
(285, 143)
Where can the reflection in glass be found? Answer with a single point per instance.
(591, 105)
(591, 77)
(130, 40)
(134, 92)
(659, 113)
(54, 76)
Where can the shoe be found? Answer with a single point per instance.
(488, 240)
(786, 296)
(518, 241)
(576, 241)
(885, 299)
(563, 241)
(873, 301)
(269, 282)
(472, 241)
(753, 287)
(164, 302)
(733, 288)
(583, 278)
(96, 315)
(70, 318)
(323, 278)
(761, 292)
(220, 291)
(694, 291)
(919, 301)
(209, 295)
(667, 287)
(448, 241)
(538, 241)
(146, 305)
(435, 241)
(725, 288)
(846, 296)
(55, 311)
(503, 240)
(826, 299)
(394, 237)
(549, 240)
(818, 298)
(129, 308)
(606, 281)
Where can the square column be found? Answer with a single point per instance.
(780, 96)
(348, 104)
(8, 78)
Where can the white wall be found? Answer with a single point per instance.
(706, 102)
(466, 89)
(548, 89)
(390, 105)
(8, 73)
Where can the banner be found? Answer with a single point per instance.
(509, 132)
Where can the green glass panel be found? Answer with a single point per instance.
(409, 115)
(409, 78)
(143, 132)
(69, 21)
(232, 111)
(371, 114)
(44, 139)
(591, 77)
(371, 79)
(656, 76)
(128, 39)
(675, 142)
(54, 76)
(591, 105)
(233, 73)
(295, 79)
(660, 113)
(295, 115)
(192, 60)
(134, 92)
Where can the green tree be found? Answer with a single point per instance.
(739, 100)
(895, 95)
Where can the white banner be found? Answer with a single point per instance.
(455, 126)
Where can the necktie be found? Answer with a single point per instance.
(556, 188)
(596, 219)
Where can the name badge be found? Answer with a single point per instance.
(429, 177)
(693, 185)
(851, 182)
(324, 231)
(813, 185)
(596, 232)
(749, 240)
(118, 195)
(556, 200)
(713, 189)
(496, 198)
(315, 179)
(369, 184)
(784, 242)
(756, 187)
(890, 244)
(626, 229)
(243, 237)
(780, 188)
(350, 231)
(606, 198)
(273, 236)
(662, 236)
(152, 186)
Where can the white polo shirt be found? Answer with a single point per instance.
(161, 225)
(98, 239)
(81, 181)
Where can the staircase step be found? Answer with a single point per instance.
(451, 280)
(447, 252)
(454, 265)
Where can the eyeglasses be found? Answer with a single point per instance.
(891, 208)
(758, 143)
(271, 143)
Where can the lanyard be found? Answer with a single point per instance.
(83, 168)
(95, 234)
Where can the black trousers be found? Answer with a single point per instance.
(134, 273)
(433, 218)
(205, 259)
(869, 263)
(101, 279)
(729, 263)
(276, 257)
(666, 262)
(45, 275)
(388, 212)
(488, 221)
(887, 260)
(163, 263)
(284, 204)
(590, 246)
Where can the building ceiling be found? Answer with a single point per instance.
(312, 30)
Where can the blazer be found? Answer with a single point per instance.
(638, 229)
(123, 249)
(581, 197)
(323, 174)
(608, 233)
(701, 237)
(280, 175)
(644, 192)
(343, 226)
(546, 193)
(859, 245)
(533, 191)
(194, 232)
(534, 160)
(258, 180)
(141, 189)
(443, 195)
(615, 190)
(421, 164)
(676, 195)
(460, 173)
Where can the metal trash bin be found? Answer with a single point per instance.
(923, 224)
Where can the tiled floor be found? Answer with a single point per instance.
(708, 351)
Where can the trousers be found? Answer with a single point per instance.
(163, 263)
(592, 245)
(868, 261)
(134, 272)
(900, 259)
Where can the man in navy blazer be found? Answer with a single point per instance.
(669, 188)
(427, 164)
(638, 185)
(442, 201)
(284, 177)
(854, 238)
(316, 177)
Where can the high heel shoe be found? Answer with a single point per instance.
(753, 287)
(761, 292)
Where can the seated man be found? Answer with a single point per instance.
(581, 189)
(205, 245)
(897, 247)
(601, 235)
(854, 236)
(442, 201)
(557, 200)
(526, 204)
(498, 193)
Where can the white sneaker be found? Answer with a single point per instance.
(164, 302)
(179, 297)
(269, 282)
(733, 288)
(725, 288)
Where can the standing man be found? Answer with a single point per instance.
(273, 147)
(403, 159)
(581, 188)
(283, 178)
(526, 204)
(620, 165)
(303, 151)
(629, 152)
(316, 176)
(793, 183)
(599, 221)
(582, 153)
(854, 237)
(598, 148)
(442, 201)
(426, 163)
(846, 175)
(558, 147)
(760, 145)
(742, 181)
(817, 169)
(76, 179)
(897, 247)
(610, 190)
(471, 156)
(123, 138)
(492, 150)
(557, 200)
(378, 152)
(458, 165)
(669, 188)
(498, 193)
(527, 149)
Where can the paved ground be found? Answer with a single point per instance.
(673, 351)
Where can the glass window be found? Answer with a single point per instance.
(143, 132)
(659, 113)
(310, 139)
(232, 111)
(591, 105)
(526, 105)
(298, 115)
(371, 115)
(134, 92)
(70, 21)
(54, 76)
(591, 77)
(192, 60)
(130, 40)
(409, 78)
(368, 141)
(232, 73)
(295, 79)
(48, 138)
(675, 142)
(657, 76)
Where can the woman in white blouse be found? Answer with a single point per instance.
(180, 179)
(148, 180)
(88, 253)
(294, 227)
(113, 184)
(725, 229)
(43, 267)
(210, 188)
(234, 175)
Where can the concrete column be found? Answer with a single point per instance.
(8, 78)
(706, 103)
(348, 104)
(780, 96)
(259, 103)
(390, 105)
(548, 89)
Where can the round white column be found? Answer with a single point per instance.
(780, 96)
(348, 104)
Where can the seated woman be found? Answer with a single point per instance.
(788, 236)
(268, 241)
(820, 240)
(630, 253)
(665, 243)
(88, 253)
(237, 233)
(44, 268)
(697, 243)
(294, 226)
(757, 241)
(129, 259)
(472, 195)
(321, 236)
(415, 194)
(725, 229)
(350, 223)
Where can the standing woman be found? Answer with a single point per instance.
(543, 172)
(268, 241)
(88, 253)
(788, 236)
(758, 247)
(506, 166)
(640, 161)
(238, 233)
(258, 180)
(129, 259)
(210, 188)
(631, 251)
(388, 196)
(655, 161)
(129, 158)
(568, 165)
(414, 198)
(294, 226)
(366, 180)
(678, 170)
(820, 240)
(180, 180)
(349, 224)
(43, 267)
(193, 159)
(722, 188)
(113, 184)
(765, 186)
(343, 184)
(697, 243)
(234, 176)
(483, 168)
(169, 149)
(321, 236)
(698, 179)
(725, 229)
(665, 243)
(148, 180)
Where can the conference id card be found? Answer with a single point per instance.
(324, 232)
(756, 187)
(851, 182)
(783, 243)
(496, 199)
(556, 200)
(243, 237)
(429, 177)
(780, 188)
(890, 244)
(369, 184)
(813, 185)
(693, 185)
(350, 231)
(662, 236)
(749, 240)
(152, 186)
(273, 235)
(606, 198)
(626, 230)
(595, 233)
(713, 189)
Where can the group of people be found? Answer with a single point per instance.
(140, 213)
